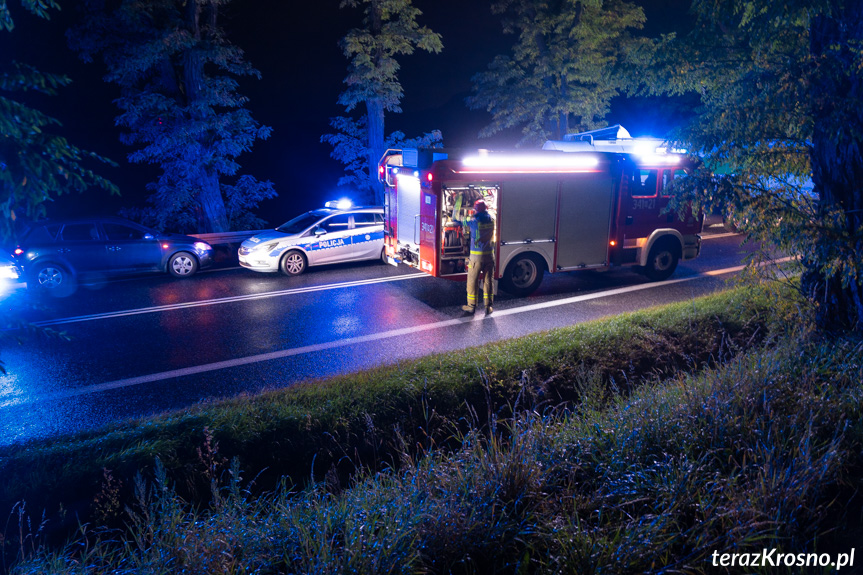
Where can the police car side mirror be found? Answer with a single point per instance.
(320, 231)
(149, 237)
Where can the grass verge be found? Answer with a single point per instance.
(765, 451)
(326, 431)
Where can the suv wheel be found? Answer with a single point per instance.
(182, 265)
(52, 279)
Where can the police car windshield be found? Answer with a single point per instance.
(303, 222)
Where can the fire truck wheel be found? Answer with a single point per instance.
(293, 263)
(523, 274)
(662, 260)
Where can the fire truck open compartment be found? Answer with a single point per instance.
(458, 201)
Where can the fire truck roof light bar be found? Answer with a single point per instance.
(523, 163)
(655, 159)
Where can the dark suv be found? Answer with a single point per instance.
(55, 255)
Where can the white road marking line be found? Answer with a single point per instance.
(619, 291)
(216, 301)
(194, 370)
(214, 270)
(248, 297)
(717, 236)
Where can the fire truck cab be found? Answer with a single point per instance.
(554, 211)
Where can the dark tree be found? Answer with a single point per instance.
(833, 266)
(781, 115)
(178, 75)
(351, 147)
(389, 29)
(40, 8)
(36, 164)
(564, 69)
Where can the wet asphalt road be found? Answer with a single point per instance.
(143, 345)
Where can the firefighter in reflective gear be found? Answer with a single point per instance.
(481, 226)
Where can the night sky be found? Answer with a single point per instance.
(295, 47)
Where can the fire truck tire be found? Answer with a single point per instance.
(523, 274)
(662, 260)
(293, 263)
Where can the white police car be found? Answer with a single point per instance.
(334, 234)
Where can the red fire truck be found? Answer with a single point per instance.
(554, 211)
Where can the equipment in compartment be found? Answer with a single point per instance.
(455, 239)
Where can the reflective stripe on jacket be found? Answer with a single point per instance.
(481, 233)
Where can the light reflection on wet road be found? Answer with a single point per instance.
(234, 331)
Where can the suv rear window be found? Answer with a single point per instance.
(122, 232)
(42, 234)
(80, 233)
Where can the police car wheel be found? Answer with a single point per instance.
(384, 256)
(662, 261)
(523, 275)
(293, 263)
(182, 265)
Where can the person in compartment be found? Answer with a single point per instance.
(481, 259)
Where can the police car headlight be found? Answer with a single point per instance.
(268, 247)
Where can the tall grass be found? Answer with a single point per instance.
(764, 451)
(331, 430)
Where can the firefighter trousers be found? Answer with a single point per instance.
(475, 265)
